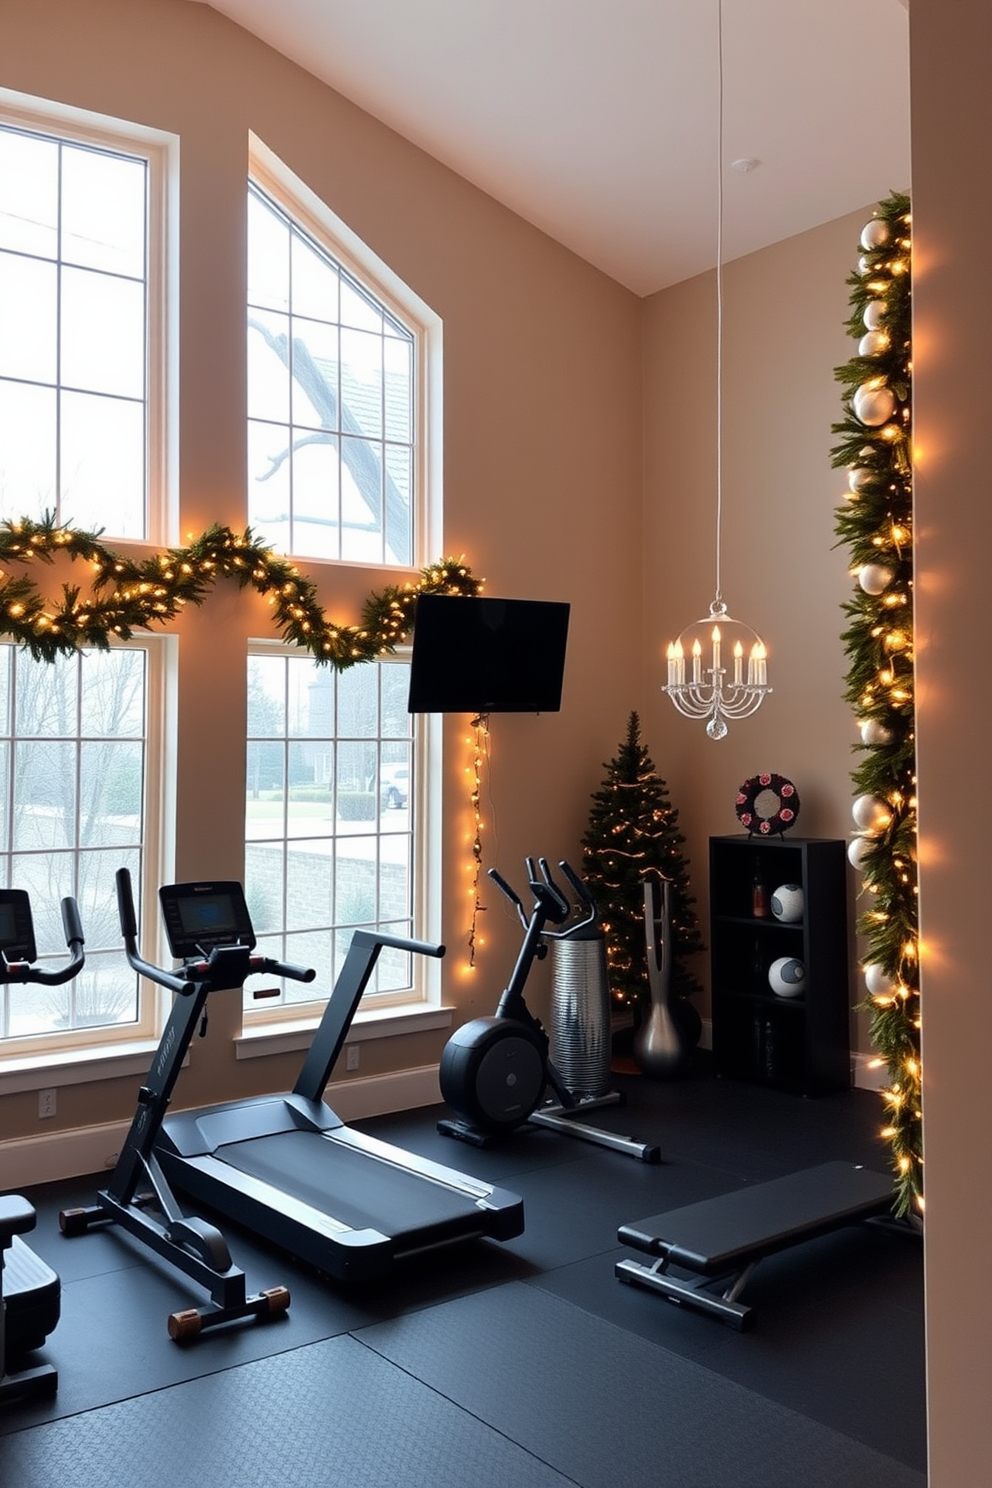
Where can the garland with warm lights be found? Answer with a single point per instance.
(875, 522)
(129, 594)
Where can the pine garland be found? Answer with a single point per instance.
(876, 523)
(633, 826)
(127, 595)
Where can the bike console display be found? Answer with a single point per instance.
(200, 916)
(16, 928)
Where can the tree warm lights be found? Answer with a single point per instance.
(634, 826)
(876, 522)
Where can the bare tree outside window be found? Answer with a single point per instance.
(72, 763)
(330, 394)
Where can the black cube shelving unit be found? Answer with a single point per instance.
(800, 1044)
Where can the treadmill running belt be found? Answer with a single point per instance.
(362, 1192)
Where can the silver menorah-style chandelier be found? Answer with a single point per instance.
(718, 666)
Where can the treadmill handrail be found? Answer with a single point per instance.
(351, 981)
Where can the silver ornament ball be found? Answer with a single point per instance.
(873, 344)
(874, 406)
(878, 982)
(874, 733)
(875, 234)
(874, 313)
(870, 814)
(874, 578)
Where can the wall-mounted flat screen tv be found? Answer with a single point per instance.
(477, 654)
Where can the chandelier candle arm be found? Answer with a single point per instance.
(714, 693)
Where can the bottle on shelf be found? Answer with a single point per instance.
(760, 898)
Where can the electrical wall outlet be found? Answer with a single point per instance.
(47, 1101)
(352, 1056)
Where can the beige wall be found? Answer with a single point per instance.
(784, 332)
(543, 483)
(541, 451)
(952, 221)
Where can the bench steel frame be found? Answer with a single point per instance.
(720, 1241)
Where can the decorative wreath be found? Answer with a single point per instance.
(125, 594)
(767, 804)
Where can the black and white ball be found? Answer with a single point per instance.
(787, 977)
(787, 903)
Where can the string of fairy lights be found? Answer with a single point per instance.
(127, 594)
(478, 744)
(876, 523)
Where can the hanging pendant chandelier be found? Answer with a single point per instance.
(717, 666)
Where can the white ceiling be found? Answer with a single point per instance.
(597, 119)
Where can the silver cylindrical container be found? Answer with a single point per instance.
(580, 1013)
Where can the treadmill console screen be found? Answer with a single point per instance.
(16, 928)
(200, 916)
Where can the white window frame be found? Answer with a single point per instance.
(425, 988)
(268, 172)
(161, 153)
(103, 1052)
(158, 812)
(380, 1013)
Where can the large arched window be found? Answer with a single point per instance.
(337, 391)
(336, 805)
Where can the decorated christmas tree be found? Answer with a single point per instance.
(634, 826)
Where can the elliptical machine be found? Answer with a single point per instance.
(30, 1291)
(495, 1073)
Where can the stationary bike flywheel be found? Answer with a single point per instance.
(492, 1073)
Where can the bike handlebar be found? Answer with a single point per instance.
(30, 971)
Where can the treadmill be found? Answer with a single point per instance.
(286, 1167)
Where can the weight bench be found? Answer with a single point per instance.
(722, 1240)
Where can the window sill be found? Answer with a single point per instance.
(130, 1060)
(76, 1066)
(389, 1022)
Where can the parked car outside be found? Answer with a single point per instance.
(394, 785)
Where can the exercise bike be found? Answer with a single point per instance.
(496, 1073)
(217, 949)
(30, 1291)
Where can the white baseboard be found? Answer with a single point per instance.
(93, 1149)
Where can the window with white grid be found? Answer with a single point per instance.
(83, 371)
(330, 817)
(332, 458)
(74, 766)
(75, 225)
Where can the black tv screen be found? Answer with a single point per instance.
(483, 655)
